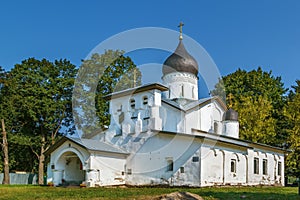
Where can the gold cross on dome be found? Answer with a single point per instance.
(230, 98)
(180, 30)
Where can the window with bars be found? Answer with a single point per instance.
(195, 159)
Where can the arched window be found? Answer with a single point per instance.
(132, 103)
(193, 90)
(233, 165)
(279, 168)
(256, 165)
(265, 167)
(216, 126)
(145, 100)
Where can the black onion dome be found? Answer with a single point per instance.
(180, 61)
(231, 115)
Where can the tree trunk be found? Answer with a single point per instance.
(41, 162)
(5, 154)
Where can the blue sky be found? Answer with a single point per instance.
(235, 33)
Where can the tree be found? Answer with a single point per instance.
(258, 96)
(9, 113)
(41, 93)
(121, 74)
(20, 157)
(4, 144)
(292, 113)
(253, 83)
(5, 154)
(255, 119)
(97, 77)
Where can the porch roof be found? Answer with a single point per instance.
(93, 145)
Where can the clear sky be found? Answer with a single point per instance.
(236, 33)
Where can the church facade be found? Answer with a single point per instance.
(162, 134)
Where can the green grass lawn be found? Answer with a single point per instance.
(58, 193)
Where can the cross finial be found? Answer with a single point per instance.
(134, 77)
(230, 97)
(180, 30)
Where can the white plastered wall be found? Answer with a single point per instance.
(106, 169)
(149, 165)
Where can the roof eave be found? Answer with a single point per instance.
(135, 90)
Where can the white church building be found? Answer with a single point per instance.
(162, 134)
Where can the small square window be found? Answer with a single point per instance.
(129, 171)
(170, 165)
(195, 159)
(181, 169)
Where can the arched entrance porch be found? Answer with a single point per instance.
(68, 169)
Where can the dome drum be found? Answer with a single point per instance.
(230, 115)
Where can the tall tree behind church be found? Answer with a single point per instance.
(258, 96)
(292, 113)
(41, 94)
(104, 74)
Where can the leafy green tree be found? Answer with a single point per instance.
(292, 113)
(253, 83)
(258, 96)
(40, 92)
(21, 158)
(120, 75)
(256, 123)
(98, 76)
